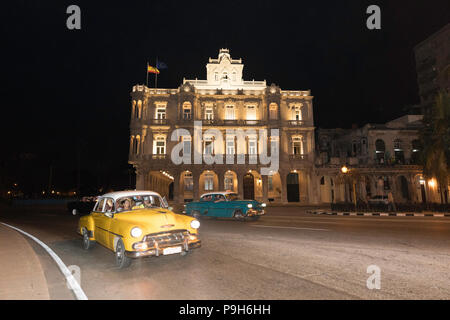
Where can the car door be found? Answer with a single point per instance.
(102, 223)
(98, 216)
(219, 207)
(205, 204)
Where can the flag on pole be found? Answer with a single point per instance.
(161, 65)
(151, 69)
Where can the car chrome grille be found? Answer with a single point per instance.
(166, 239)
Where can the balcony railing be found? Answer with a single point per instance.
(159, 121)
(297, 157)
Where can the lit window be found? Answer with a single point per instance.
(186, 144)
(188, 182)
(159, 145)
(229, 113)
(209, 182)
(297, 113)
(252, 146)
(187, 112)
(160, 112)
(209, 114)
(297, 145)
(273, 111)
(230, 146)
(251, 113)
(228, 181)
(208, 146)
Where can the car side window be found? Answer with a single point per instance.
(219, 197)
(100, 205)
(109, 206)
(207, 197)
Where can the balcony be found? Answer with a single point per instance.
(159, 121)
(298, 157)
(297, 123)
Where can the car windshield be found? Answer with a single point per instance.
(232, 196)
(139, 202)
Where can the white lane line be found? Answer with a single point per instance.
(281, 227)
(73, 283)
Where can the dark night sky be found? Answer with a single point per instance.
(63, 88)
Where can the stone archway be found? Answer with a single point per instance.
(248, 182)
(293, 187)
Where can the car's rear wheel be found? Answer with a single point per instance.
(87, 243)
(122, 261)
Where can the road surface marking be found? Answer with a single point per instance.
(281, 227)
(73, 284)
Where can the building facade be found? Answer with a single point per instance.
(382, 158)
(223, 103)
(433, 66)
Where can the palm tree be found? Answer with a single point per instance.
(435, 137)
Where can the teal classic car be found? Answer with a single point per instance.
(225, 204)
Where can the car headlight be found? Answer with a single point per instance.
(250, 205)
(136, 232)
(263, 204)
(195, 224)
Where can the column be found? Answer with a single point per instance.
(265, 187)
(177, 197)
(240, 178)
(140, 179)
(283, 187)
(221, 178)
(196, 184)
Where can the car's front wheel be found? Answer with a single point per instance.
(239, 215)
(122, 261)
(87, 243)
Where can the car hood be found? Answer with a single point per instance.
(254, 203)
(152, 220)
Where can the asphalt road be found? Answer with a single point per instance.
(288, 254)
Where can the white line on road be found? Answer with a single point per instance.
(73, 283)
(281, 227)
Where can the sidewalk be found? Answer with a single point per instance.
(22, 276)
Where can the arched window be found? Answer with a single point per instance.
(136, 144)
(188, 181)
(133, 109)
(139, 109)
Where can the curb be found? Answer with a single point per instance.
(380, 214)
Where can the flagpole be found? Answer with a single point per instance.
(147, 74)
(156, 74)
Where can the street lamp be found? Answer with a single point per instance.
(345, 171)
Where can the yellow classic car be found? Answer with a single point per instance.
(136, 224)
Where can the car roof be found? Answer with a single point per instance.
(129, 193)
(217, 192)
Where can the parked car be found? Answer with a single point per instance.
(379, 200)
(83, 206)
(225, 204)
(136, 224)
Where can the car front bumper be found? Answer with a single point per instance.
(186, 246)
(255, 212)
